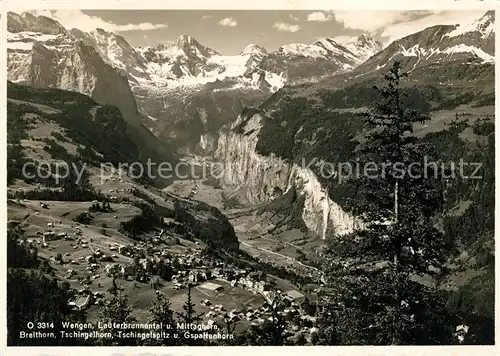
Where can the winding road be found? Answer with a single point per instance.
(281, 255)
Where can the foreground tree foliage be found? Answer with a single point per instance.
(272, 331)
(46, 302)
(377, 273)
(117, 310)
(161, 312)
(20, 256)
(189, 316)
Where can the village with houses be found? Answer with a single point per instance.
(92, 260)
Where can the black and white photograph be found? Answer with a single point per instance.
(286, 177)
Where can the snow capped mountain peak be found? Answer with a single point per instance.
(358, 49)
(105, 36)
(253, 49)
(302, 49)
(365, 41)
(351, 52)
(364, 38)
(363, 47)
(188, 45)
(329, 44)
(114, 50)
(185, 40)
(490, 15)
(184, 48)
(100, 30)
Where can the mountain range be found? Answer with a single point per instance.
(184, 92)
(173, 85)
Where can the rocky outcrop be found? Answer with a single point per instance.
(78, 68)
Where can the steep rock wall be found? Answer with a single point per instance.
(261, 178)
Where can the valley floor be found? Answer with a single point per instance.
(256, 234)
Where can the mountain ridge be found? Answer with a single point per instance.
(166, 80)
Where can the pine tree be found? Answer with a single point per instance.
(113, 290)
(176, 265)
(189, 316)
(161, 312)
(33, 296)
(374, 270)
(117, 310)
(274, 331)
(227, 326)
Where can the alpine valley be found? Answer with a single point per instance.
(255, 118)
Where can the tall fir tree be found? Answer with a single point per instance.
(376, 272)
(161, 312)
(189, 314)
(188, 317)
(117, 311)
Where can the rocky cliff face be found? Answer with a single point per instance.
(263, 178)
(28, 22)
